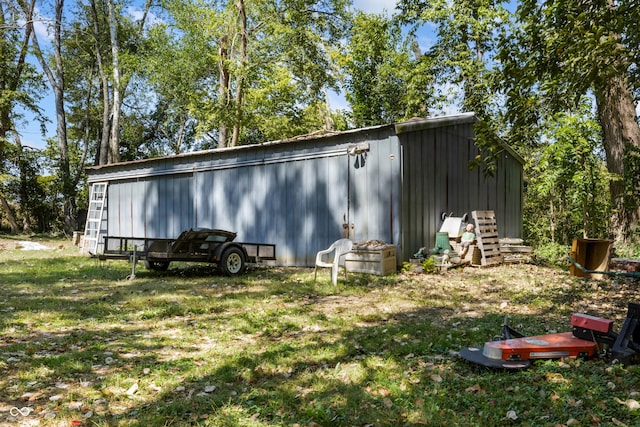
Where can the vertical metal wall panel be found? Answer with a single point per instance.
(225, 199)
(439, 186)
(309, 180)
(127, 208)
(296, 211)
(371, 191)
(163, 207)
(113, 200)
(154, 221)
(413, 194)
(137, 208)
(158, 199)
(280, 218)
(123, 209)
(203, 189)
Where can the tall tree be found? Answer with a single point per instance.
(116, 38)
(567, 180)
(378, 73)
(20, 86)
(55, 75)
(461, 61)
(563, 50)
(462, 55)
(114, 140)
(267, 62)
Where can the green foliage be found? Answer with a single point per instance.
(38, 207)
(281, 77)
(461, 64)
(21, 85)
(567, 188)
(552, 254)
(629, 249)
(429, 265)
(378, 70)
(559, 54)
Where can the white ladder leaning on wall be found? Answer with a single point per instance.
(97, 198)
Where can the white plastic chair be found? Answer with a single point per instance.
(340, 247)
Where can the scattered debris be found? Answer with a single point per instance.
(31, 246)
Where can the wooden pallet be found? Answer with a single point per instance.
(487, 237)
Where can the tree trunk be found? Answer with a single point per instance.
(102, 155)
(56, 80)
(114, 142)
(237, 122)
(9, 213)
(9, 84)
(617, 116)
(223, 90)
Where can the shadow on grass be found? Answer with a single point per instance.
(400, 372)
(286, 359)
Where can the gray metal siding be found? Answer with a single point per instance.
(298, 195)
(295, 196)
(153, 207)
(375, 191)
(437, 179)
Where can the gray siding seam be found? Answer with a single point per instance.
(119, 176)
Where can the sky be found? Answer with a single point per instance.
(30, 132)
(375, 6)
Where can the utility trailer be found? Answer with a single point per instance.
(194, 245)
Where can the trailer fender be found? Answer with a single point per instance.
(222, 248)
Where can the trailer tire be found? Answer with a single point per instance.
(156, 265)
(232, 262)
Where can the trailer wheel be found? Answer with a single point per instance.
(232, 262)
(156, 265)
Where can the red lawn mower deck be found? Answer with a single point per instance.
(589, 337)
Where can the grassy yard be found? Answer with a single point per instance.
(81, 345)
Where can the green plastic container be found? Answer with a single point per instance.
(442, 241)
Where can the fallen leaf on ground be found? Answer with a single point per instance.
(132, 390)
(554, 378)
(618, 423)
(474, 388)
(630, 403)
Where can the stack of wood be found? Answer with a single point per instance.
(514, 251)
(629, 265)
